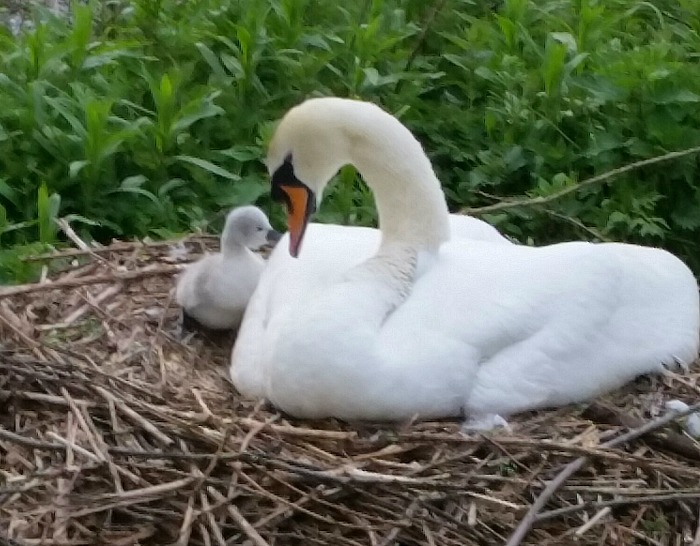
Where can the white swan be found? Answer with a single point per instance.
(467, 227)
(215, 290)
(358, 328)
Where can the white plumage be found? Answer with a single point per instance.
(421, 322)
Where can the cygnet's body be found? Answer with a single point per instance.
(215, 290)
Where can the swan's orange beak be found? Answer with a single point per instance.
(300, 205)
(299, 200)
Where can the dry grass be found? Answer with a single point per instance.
(115, 431)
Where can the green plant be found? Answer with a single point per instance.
(152, 117)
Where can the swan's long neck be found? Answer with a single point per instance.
(409, 199)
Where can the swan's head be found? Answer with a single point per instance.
(247, 227)
(318, 137)
(312, 142)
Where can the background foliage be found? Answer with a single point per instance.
(149, 117)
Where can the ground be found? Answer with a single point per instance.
(117, 430)
(16, 13)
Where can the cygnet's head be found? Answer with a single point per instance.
(311, 143)
(247, 227)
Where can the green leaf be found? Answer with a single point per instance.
(207, 166)
(131, 182)
(138, 191)
(47, 212)
(211, 59)
(75, 167)
(676, 95)
(8, 192)
(566, 39)
(71, 218)
(166, 88)
(170, 186)
(207, 110)
(243, 153)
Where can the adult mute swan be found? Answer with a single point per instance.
(215, 290)
(357, 326)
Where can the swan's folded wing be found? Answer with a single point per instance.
(329, 250)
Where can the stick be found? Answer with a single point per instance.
(245, 526)
(504, 205)
(592, 522)
(298, 431)
(135, 416)
(119, 246)
(666, 440)
(133, 496)
(696, 540)
(391, 535)
(524, 526)
(105, 294)
(93, 279)
(642, 499)
(77, 241)
(29, 442)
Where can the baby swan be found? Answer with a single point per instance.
(215, 290)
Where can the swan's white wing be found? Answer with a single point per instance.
(550, 325)
(328, 251)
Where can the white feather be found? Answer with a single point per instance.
(421, 322)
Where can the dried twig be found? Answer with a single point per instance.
(298, 431)
(95, 279)
(113, 430)
(525, 524)
(665, 440)
(537, 201)
(593, 521)
(696, 539)
(596, 505)
(244, 524)
(120, 246)
(135, 416)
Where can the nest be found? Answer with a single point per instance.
(115, 429)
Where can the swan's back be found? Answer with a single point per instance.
(554, 324)
(468, 227)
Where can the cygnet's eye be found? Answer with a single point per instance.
(259, 229)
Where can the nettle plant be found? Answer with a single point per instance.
(151, 118)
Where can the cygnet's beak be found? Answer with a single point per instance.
(273, 237)
(299, 200)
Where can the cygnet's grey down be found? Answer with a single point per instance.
(214, 291)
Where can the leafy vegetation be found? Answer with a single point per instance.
(150, 117)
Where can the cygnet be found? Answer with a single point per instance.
(215, 290)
